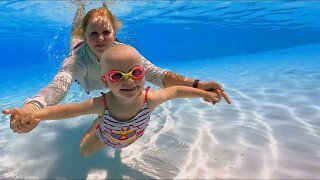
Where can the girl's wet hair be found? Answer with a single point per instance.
(99, 12)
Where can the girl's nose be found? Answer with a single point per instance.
(128, 80)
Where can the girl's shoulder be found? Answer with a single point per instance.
(155, 92)
(98, 105)
(153, 97)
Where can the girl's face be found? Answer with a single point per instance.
(99, 35)
(128, 87)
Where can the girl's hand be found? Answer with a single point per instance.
(212, 97)
(216, 87)
(21, 121)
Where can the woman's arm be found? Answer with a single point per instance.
(165, 78)
(156, 97)
(50, 95)
(60, 85)
(173, 79)
(78, 17)
(153, 74)
(76, 35)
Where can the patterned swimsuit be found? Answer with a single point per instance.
(120, 134)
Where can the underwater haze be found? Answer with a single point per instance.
(265, 53)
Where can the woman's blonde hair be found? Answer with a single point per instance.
(98, 12)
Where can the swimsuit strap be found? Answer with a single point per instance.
(78, 45)
(146, 95)
(105, 102)
(117, 40)
(105, 106)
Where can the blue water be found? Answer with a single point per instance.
(266, 54)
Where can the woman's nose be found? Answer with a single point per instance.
(101, 37)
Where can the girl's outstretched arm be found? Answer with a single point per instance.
(156, 97)
(64, 111)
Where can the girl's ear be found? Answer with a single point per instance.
(105, 82)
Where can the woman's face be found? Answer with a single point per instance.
(99, 35)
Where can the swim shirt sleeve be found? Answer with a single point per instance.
(153, 73)
(57, 89)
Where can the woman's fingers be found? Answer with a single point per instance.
(226, 97)
(18, 125)
(29, 126)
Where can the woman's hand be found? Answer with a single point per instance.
(216, 87)
(22, 119)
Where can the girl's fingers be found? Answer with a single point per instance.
(12, 111)
(6, 111)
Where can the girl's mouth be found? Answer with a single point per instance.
(129, 89)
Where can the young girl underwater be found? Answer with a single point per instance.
(125, 110)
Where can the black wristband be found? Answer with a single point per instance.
(195, 83)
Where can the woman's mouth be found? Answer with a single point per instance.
(100, 45)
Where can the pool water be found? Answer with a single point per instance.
(266, 54)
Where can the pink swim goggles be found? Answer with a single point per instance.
(116, 76)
